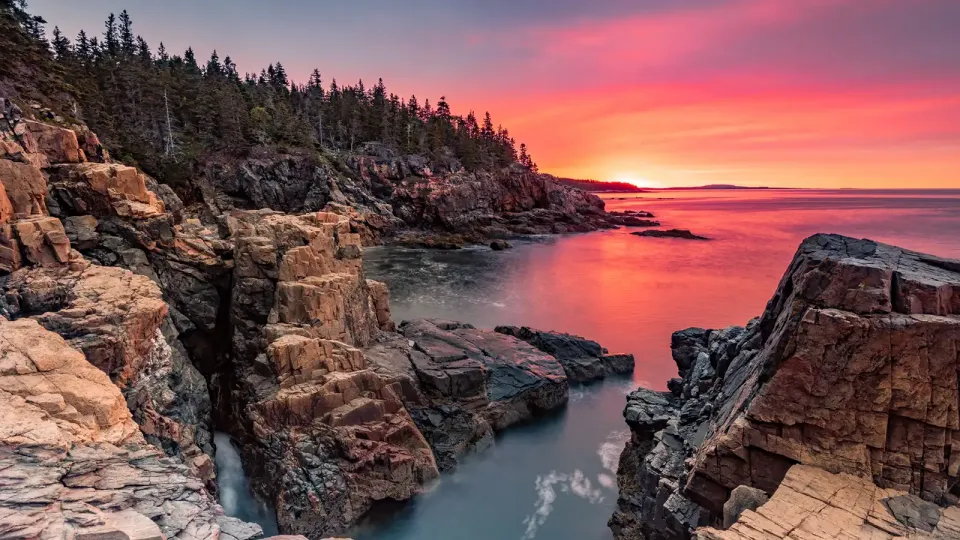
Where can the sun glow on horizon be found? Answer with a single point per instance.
(635, 180)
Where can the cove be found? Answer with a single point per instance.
(552, 478)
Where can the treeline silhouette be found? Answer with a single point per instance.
(167, 112)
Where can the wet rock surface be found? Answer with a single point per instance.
(852, 368)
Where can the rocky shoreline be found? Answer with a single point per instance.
(840, 404)
(134, 325)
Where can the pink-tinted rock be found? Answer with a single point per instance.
(57, 144)
(25, 188)
(852, 368)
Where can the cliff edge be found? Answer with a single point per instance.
(851, 369)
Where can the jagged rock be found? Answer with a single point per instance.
(82, 231)
(103, 189)
(631, 218)
(582, 359)
(115, 318)
(329, 436)
(74, 463)
(812, 503)
(380, 305)
(382, 192)
(56, 144)
(852, 368)
(25, 189)
(506, 379)
(42, 241)
(91, 147)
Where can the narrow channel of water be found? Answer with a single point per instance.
(236, 495)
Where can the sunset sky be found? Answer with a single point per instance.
(806, 93)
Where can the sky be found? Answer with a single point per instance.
(802, 93)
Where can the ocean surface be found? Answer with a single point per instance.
(555, 479)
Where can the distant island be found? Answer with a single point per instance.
(600, 186)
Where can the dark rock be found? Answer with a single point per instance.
(671, 233)
(500, 245)
(582, 359)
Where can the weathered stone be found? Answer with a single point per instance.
(82, 231)
(742, 498)
(582, 359)
(852, 369)
(25, 189)
(333, 432)
(812, 503)
(42, 241)
(57, 144)
(74, 463)
(115, 318)
(103, 189)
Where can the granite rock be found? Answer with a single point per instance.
(852, 368)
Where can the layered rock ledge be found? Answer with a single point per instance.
(852, 369)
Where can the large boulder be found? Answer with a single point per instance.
(852, 368)
(25, 189)
(56, 144)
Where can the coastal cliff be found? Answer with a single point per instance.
(839, 403)
(134, 328)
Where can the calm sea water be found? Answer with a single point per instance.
(554, 479)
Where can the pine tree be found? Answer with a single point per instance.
(61, 46)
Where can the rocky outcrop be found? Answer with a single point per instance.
(852, 368)
(812, 503)
(384, 193)
(633, 218)
(181, 316)
(328, 436)
(75, 464)
(462, 384)
(115, 318)
(582, 359)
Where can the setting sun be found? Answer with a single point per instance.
(638, 181)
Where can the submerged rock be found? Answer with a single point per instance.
(852, 368)
(500, 245)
